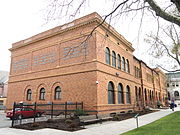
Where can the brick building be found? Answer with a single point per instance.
(69, 63)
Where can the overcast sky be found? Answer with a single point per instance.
(21, 19)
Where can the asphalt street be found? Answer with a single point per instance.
(4, 122)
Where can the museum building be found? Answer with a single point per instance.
(80, 62)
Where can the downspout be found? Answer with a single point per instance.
(142, 86)
(154, 93)
(160, 87)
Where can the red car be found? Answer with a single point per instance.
(24, 112)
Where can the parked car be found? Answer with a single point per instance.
(24, 112)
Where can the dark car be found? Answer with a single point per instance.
(24, 112)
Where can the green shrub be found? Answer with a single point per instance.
(35, 124)
(50, 121)
(116, 118)
(72, 125)
(68, 121)
(79, 112)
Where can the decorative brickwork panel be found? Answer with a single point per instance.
(76, 51)
(21, 64)
(45, 58)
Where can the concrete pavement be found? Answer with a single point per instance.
(107, 128)
(4, 122)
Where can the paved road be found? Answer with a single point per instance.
(4, 122)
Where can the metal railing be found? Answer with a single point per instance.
(50, 109)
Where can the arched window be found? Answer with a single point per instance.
(113, 59)
(107, 55)
(119, 61)
(128, 95)
(57, 93)
(150, 95)
(140, 92)
(137, 96)
(127, 66)
(42, 94)
(120, 94)
(29, 95)
(123, 64)
(136, 93)
(176, 94)
(111, 93)
(169, 96)
(145, 92)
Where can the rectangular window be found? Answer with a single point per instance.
(1, 102)
(135, 73)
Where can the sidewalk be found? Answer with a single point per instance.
(107, 128)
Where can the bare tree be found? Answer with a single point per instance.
(166, 45)
(61, 8)
(168, 10)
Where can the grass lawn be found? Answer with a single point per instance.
(169, 125)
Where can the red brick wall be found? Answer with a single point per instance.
(68, 59)
(75, 88)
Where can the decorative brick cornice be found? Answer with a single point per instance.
(30, 41)
(94, 18)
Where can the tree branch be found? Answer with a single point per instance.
(177, 3)
(163, 14)
(107, 17)
(175, 43)
(167, 50)
(177, 70)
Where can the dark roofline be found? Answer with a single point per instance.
(140, 61)
(172, 73)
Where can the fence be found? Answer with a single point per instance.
(50, 109)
